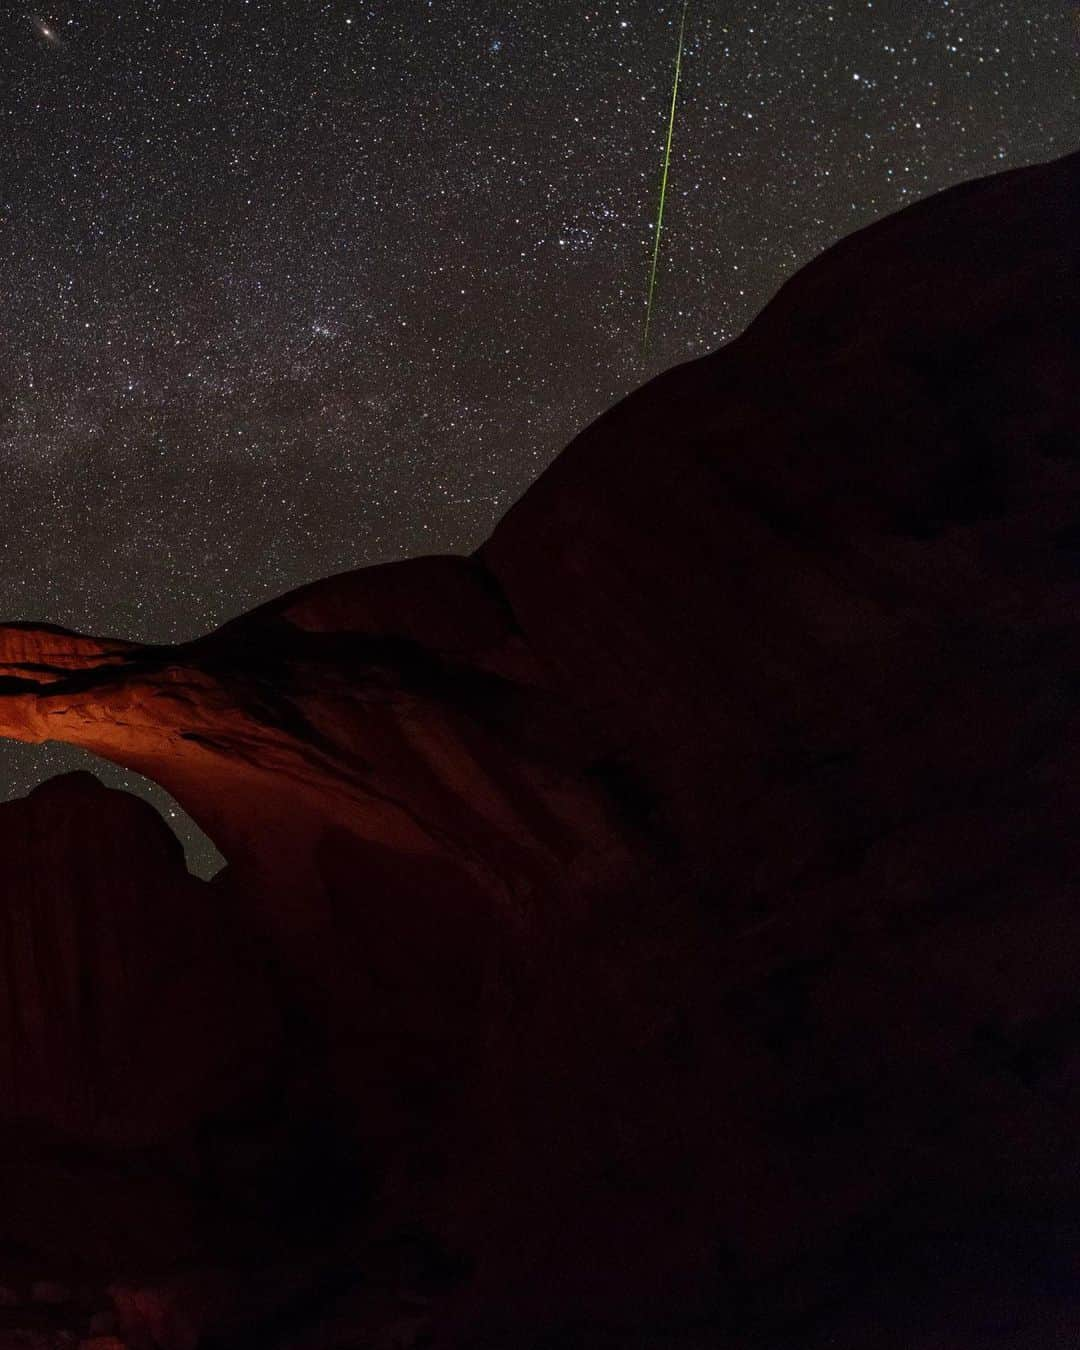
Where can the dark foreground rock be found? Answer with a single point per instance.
(667, 917)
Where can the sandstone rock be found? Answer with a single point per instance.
(129, 1016)
(50, 1292)
(677, 899)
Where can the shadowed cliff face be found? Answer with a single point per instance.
(132, 1012)
(679, 895)
(141, 1005)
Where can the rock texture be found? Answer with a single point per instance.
(126, 997)
(671, 911)
(130, 1016)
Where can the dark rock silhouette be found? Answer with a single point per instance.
(134, 1021)
(668, 913)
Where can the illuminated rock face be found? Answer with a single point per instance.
(679, 896)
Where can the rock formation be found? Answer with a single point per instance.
(662, 922)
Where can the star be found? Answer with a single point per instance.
(282, 300)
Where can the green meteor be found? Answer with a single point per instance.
(663, 181)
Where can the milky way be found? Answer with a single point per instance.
(292, 288)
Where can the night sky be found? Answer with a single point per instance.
(290, 287)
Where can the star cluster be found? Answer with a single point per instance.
(293, 288)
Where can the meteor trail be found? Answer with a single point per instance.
(663, 181)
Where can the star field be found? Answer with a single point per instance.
(293, 288)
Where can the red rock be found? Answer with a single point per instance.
(128, 1017)
(679, 896)
(126, 1005)
(50, 1292)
